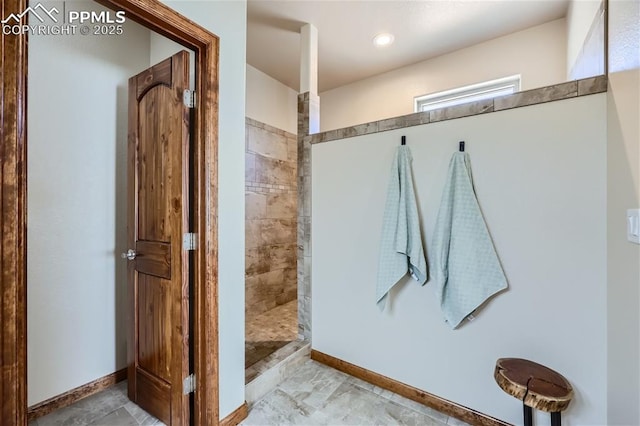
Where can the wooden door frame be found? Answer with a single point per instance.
(13, 207)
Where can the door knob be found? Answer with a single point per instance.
(130, 254)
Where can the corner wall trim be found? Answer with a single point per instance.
(444, 406)
(238, 415)
(74, 395)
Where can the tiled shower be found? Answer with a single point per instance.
(271, 241)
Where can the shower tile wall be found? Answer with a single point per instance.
(304, 215)
(271, 218)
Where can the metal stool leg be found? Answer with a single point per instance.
(528, 415)
(555, 419)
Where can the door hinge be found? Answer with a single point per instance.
(189, 98)
(189, 241)
(189, 384)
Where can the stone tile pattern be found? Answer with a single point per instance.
(269, 331)
(270, 218)
(304, 216)
(557, 92)
(107, 408)
(310, 394)
(279, 323)
(319, 395)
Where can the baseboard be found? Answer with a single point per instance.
(74, 395)
(444, 406)
(238, 415)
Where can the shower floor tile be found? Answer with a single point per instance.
(267, 332)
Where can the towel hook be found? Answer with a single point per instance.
(403, 140)
(461, 146)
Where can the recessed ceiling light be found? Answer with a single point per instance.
(383, 39)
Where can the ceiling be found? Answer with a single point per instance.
(423, 29)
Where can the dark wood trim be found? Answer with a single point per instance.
(74, 395)
(238, 415)
(13, 199)
(156, 16)
(444, 406)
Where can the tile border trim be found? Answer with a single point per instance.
(304, 216)
(260, 125)
(556, 92)
(430, 400)
(236, 416)
(274, 360)
(74, 395)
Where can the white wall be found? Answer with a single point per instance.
(580, 17)
(623, 181)
(227, 19)
(161, 48)
(270, 101)
(538, 54)
(540, 176)
(77, 125)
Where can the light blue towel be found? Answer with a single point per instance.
(466, 268)
(401, 248)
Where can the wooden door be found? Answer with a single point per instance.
(158, 212)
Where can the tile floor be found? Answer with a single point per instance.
(319, 395)
(267, 332)
(110, 407)
(313, 395)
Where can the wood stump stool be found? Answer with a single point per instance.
(535, 385)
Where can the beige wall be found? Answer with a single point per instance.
(271, 209)
(623, 192)
(270, 101)
(540, 174)
(77, 151)
(538, 54)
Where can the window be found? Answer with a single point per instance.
(463, 95)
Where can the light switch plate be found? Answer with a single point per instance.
(633, 225)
